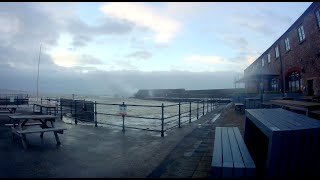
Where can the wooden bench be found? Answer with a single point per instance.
(27, 124)
(22, 134)
(315, 114)
(238, 106)
(231, 158)
(266, 105)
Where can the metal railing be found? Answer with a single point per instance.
(164, 117)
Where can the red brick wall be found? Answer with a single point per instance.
(301, 56)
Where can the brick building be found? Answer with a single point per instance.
(292, 63)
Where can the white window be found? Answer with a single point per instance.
(301, 33)
(269, 58)
(277, 51)
(287, 44)
(318, 17)
(262, 61)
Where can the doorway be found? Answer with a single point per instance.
(310, 87)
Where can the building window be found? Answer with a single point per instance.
(269, 58)
(274, 84)
(294, 80)
(301, 34)
(318, 17)
(277, 51)
(262, 62)
(287, 44)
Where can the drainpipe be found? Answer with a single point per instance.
(283, 90)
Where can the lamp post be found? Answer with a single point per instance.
(38, 72)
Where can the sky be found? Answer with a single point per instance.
(116, 48)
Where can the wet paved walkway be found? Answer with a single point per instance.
(89, 151)
(192, 156)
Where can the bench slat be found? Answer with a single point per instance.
(217, 154)
(248, 161)
(239, 168)
(27, 124)
(227, 163)
(40, 130)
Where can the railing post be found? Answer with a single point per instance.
(95, 114)
(162, 119)
(197, 109)
(211, 104)
(179, 115)
(207, 106)
(75, 112)
(190, 113)
(41, 101)
(60, 109)
(203, 108)
(123, 120)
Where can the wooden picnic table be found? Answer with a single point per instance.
(249, 100)
(20, 123)
(11, 108)
(48, 108)
(283, 143)
(299, 105)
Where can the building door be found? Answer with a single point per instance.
(310, 87)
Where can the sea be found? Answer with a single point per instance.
(140, 113)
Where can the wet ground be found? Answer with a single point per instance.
(89, 151)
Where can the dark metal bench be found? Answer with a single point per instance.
(238, 106)
(231, 158)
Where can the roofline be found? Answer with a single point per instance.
(290, 28)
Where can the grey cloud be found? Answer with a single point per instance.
(88, 59)
(83, 33)
(140, 55)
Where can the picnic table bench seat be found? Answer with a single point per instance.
(266, 105)
(27, 124)
(231, 158)
(22, 134)
(238, 106)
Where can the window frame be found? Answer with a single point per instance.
(301, 33)
(294, 81)
(277, 52)
(269, 58)
(287, 44)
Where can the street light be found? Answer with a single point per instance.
(38, 72)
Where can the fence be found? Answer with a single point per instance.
(190, 111)
(164, 117)
(13, 99)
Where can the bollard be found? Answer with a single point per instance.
(179, 115)
(162, 119)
